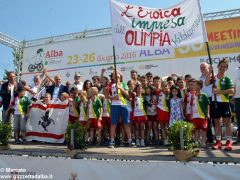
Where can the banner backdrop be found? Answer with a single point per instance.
(48, 122)
(90, 54)
(76, 169)
(139, 27)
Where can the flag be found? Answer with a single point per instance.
(137, 27)
(48, 122)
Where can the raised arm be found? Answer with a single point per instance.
(48, 77)
(123, 91)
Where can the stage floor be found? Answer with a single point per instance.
(152, 153)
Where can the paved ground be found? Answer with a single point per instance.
(122, 153)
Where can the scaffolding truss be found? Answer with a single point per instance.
(9, 41)
(222, 14)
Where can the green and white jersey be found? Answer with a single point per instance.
(106, 108)
(122, 101)
(20, 105)
(94, 108)
(199, 105)
(83, 111)
(223, 84)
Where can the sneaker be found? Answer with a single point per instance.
(203, 145)
(142, 144)
(24, 141)
(228, 146)
(122, 144)
(111, 144)
(165, 142)
(217, 145)
(137, 142)
(106, 142)
(236, 143)
(147, 143)
(209, 141)
(17, 141)
(158, 143)
(130, 144)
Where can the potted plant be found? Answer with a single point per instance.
(80, 133)
(5, 135)
(181, 138)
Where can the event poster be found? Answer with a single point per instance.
(137, 27)
(88, 55)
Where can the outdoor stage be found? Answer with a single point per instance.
(152, 153)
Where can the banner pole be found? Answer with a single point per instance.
(212, 73)
(115, 65)
(208, 51)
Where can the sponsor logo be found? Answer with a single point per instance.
(53, 57)
(148, 66)
(68, 74)
(127, 68)
(36, 62)
(53, 54)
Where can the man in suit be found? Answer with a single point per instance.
(57, 88)
(8, 93)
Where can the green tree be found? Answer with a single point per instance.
(5, 75)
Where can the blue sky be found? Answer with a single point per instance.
(31, 19)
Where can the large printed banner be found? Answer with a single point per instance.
(90, 54)
(19, 167)
(139, 27)
(48, 122)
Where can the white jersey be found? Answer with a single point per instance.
(83, 113)
(162, 102)
(106, 108)
(188, 101)
(152, 101)
(138, 107)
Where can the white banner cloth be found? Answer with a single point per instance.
(48, 122)
(137, 27)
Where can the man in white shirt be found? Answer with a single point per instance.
(36, 90)
(204, 68)
(77, 82)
